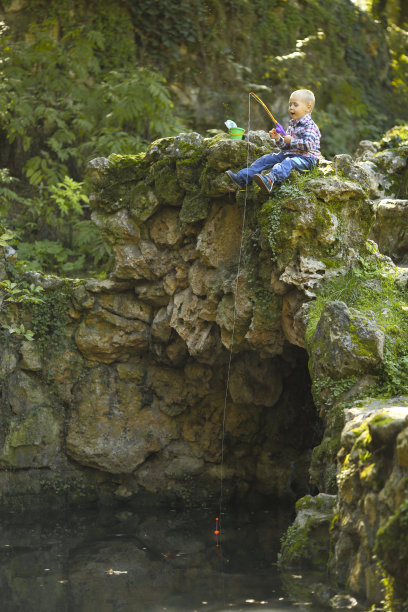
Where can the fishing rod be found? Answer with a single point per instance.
(278, 128)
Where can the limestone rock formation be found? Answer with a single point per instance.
(131, 384)
(354, 353)
(230, 329)
(369, 536)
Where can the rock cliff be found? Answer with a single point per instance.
(228, 341)
(357, 346)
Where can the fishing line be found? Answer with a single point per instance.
(218, 520)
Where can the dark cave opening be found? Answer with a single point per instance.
(271, 461)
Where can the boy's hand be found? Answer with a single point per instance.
(274, 134)
(287, 139)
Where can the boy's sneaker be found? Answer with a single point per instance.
(264, 182)
(236, 179)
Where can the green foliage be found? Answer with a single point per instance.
(270, 217)
(49, 255)
(28, 334)
(395, 374)
(329, 46)
(72, 243)
(388, 11)
(335, 388)
(75, 86)
(88, 240)
(398, 43)
(62, 104)
(8, 197)
(49, 321)
(161, 26)
(6, 238)
(78, 109)
(294, 540)
(18, 292)
(68, 196)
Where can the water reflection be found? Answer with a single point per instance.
(147, 561)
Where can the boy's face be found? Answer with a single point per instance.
(298, 107)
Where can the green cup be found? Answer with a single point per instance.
(236, 133)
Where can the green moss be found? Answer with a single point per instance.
(113, 183)
(32, 442)
(124, 167)
(395, 136)
(362, 443)
(391, 549)
(191, 153)
(195, 208)
(266, 302)
(381, 420)
(270, 222)
(287, 226)
(318, 503)
(331, 263)
(294, 541)
(307, 544)
(335, 522)
(50, 320)
(362, 346)
(367, 472)
(141, 200)
(358, 431)
(189, 171)
(373, 287)
(167, 187)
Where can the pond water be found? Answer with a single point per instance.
(143, 561)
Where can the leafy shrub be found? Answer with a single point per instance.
(60, 108)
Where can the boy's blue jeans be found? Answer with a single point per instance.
(281, 165)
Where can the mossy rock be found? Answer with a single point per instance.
(196, 207)
(110, 178)
(125, 168)
(188, 173)
(111, 198)
(301, 224)
(34, 441)
(306, 542)
(391, 548)
(235, 154)
(143, 201)
(384, 429)
(335, 189)
(167, 188)
(323, 465)
(175, 147)
(346, 342)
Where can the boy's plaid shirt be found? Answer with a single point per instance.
(305, 138)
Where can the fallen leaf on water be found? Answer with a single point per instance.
(113, 572)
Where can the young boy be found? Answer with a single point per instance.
(299, 149)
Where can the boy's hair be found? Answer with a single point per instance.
(306, 95)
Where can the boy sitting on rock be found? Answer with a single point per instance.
(300, 147)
